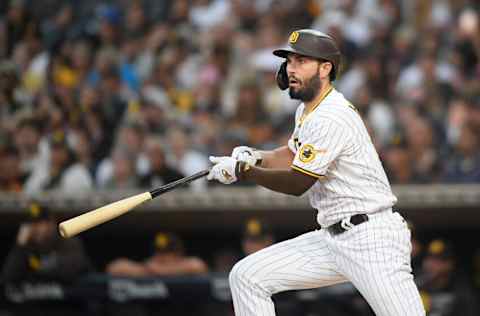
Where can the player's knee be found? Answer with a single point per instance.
(236, 277)
(241, 277)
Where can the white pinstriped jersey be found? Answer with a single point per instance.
(332, 144)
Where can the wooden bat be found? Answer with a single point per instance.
(80, 223)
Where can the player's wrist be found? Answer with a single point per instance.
(241, 169)
(257, 155)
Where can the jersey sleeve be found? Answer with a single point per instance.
(291, 141)
(322, 141)
(291, 145)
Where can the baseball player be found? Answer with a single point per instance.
(331, 157)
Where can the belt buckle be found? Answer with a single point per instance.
(346, 224)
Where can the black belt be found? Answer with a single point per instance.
(346, 224)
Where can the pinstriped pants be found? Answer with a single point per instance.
(374, 256)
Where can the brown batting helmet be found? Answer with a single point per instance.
(312, 43)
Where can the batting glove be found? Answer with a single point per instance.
(247, 154)
(224, 169)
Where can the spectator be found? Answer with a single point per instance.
(10, 95)
(464, 167)
(256, 236)
(223, 260)
(442, 288)
(474, 111)
(169, 259)
(130, 140)
(250, 116)
(136, 22)
(64, 174)
(17, 24)
(123, 175)
(58, 28)
(184, 158)
(420, 137)
(160, 173)
(398, 163)
(34, 151)
(82, 150)
(418, 251)
(467, 43)
(12, 178)
(206, 14)
(109, 19)
(40, 254)
(128, 72)
(81, 59)
(96, 123)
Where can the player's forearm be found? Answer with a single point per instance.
(279, 158)
(285, 181)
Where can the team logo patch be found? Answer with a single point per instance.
(293, 37)
(307, 153)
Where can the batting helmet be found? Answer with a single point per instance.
(311, 43)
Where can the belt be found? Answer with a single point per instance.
(347, 224)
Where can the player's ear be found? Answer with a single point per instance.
(282, 76)
(326, 68)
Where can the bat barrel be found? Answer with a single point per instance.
(103, 214)
(100, 215)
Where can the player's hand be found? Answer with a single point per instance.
(224, 169)
(247, 154)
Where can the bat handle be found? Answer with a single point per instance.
(175, 184)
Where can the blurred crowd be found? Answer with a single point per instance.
(127, 94)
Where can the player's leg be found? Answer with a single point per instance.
(375, 256)
(300, 263)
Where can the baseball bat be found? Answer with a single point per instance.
(80, 223)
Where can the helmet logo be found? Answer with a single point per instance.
(293, 37)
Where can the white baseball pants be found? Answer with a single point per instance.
(374, 256)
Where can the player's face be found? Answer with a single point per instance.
(305, 74)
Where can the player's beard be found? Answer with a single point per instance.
(308, 89)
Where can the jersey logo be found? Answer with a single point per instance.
(307, 153)
(293, 37)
